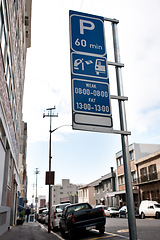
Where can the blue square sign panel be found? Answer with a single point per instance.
(88, 65)
(86, 33)
(91, 97)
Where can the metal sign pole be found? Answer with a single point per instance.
(124, 139)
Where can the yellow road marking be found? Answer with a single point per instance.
(123, 230)
(110, 235)
(104, 237)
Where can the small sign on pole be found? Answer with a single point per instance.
(50, 178)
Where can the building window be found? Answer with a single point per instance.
(10, 172)
(12, 91)
(121, 180)
(119, 161)
(133, 177)
(152, 172)
(15, 8)
(5, 16)
(97, 189)
(2, 134)
(143, 172)
(1, 20)
(3, 27)
(3, 42)
(145, 195)
(131, 155)
(8, 72)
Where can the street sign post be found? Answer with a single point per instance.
(91, 108)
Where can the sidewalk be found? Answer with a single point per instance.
(28, 231)
(36, 231)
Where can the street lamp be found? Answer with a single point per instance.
(36, 200)
(50, 114)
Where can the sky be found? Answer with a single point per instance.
(84, 156)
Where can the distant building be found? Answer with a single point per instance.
(67, 192)
(100, 191)
(105, 188)
(41, 201)
(148, 173)
(136, 151)
(86, 194)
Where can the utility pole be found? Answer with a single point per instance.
(33, 196)
(50, 115)
(36, 200)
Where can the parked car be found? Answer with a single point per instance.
(81, 217)
(114, 212)
(149, 209)
(123, 212)
(56, 213)
(109, 211)
(43, 215)
(40, 212)
(103, 207)
(46, 218)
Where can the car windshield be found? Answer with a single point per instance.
(98, 206)
(77, 208)
(41, 210)
(62, 207)
(157, 205)
(123, 208)
(114, 209)
(45, 211)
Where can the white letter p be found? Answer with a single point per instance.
(82, 26)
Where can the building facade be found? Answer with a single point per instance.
(22, 166)
(148, 177)
(15, 38)
(136, 151)
(105, 188)
(86, 194)
(67, 192)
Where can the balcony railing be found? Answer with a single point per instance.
(149, 177)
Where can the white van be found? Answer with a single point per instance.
(149, 209)
(56, 213)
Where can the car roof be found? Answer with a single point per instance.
(60, 204)
(76, 204)
(46, 210)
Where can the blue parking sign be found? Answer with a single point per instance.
(91, 108)
(87, 33)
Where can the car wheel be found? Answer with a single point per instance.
(62, 231)
(53, 228)
(157, 215)
(70, 234)
(101, 230)
(142, 215)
